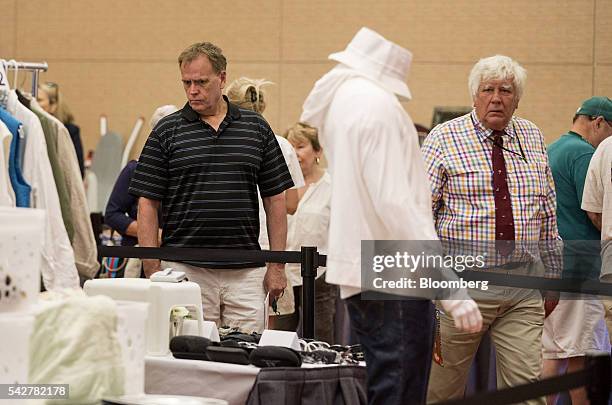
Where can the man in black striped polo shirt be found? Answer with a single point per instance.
(203, 165)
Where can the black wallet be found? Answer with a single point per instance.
(222, 354)
(275, 356)
(189, 347)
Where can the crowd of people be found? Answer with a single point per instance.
(213, 174)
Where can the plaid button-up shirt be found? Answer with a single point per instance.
(457, 156)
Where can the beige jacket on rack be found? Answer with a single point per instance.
(84, 243)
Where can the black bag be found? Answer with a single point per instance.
(275, 356)
(189, 347)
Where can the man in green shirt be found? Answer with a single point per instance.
(577, 325)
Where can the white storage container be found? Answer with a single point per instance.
(21, 237)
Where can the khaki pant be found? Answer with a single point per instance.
(233, 298)
(515, 318)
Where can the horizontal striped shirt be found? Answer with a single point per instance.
(207, 180)
(457, 156)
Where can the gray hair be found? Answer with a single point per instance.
(211, 51)
(160, 113)
(498, 67)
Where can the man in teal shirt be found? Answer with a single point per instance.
(569, 158)
(576, 326)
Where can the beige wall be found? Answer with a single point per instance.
(119, 57)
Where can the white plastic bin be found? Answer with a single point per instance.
(15, 347)
(21, 237)
(131, 332)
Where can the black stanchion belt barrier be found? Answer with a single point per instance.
(224, 255)
(209, 255)
(540, 283)
(595, 376)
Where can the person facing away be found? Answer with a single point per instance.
(490, 182)
(204, 164)
(379, 193)
(250, 94)
(577, 324)
(51, 100)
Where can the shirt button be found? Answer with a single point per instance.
(501, 234)
(505, 197)
(499, 171)
(497, 189)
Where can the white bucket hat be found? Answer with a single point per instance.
(379, 59)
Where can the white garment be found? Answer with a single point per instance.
(574, 328)
(380, 188)
(309, 226)
(298, 181)
(57, 266)
(597, 197)
(7, 195)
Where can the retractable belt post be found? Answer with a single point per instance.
(309, 264)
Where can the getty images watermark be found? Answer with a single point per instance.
(418, 269)
(443, 269)
(425, 271)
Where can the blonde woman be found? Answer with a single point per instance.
(50, 100)
(309, 227)
(249, 94)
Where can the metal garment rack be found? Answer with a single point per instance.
(33, 67)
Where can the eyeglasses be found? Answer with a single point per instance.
(518, 138)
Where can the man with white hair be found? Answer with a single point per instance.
(379, 193)
(490, 181)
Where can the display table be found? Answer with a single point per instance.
(233, 382)
(167, 375)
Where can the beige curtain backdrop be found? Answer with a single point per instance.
(119, 57)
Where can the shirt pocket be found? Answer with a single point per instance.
(472, 186)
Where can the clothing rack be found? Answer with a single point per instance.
(34, 67)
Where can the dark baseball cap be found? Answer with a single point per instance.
(597, 107)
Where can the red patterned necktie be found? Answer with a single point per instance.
(504, 220)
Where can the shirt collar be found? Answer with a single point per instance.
(484, 133)
(190, 115)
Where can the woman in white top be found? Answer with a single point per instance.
(308, 226)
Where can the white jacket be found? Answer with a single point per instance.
(380, 188)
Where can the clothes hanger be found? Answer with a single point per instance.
(131, 140)
(103, 125)
(4, 84)
(15, 75)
